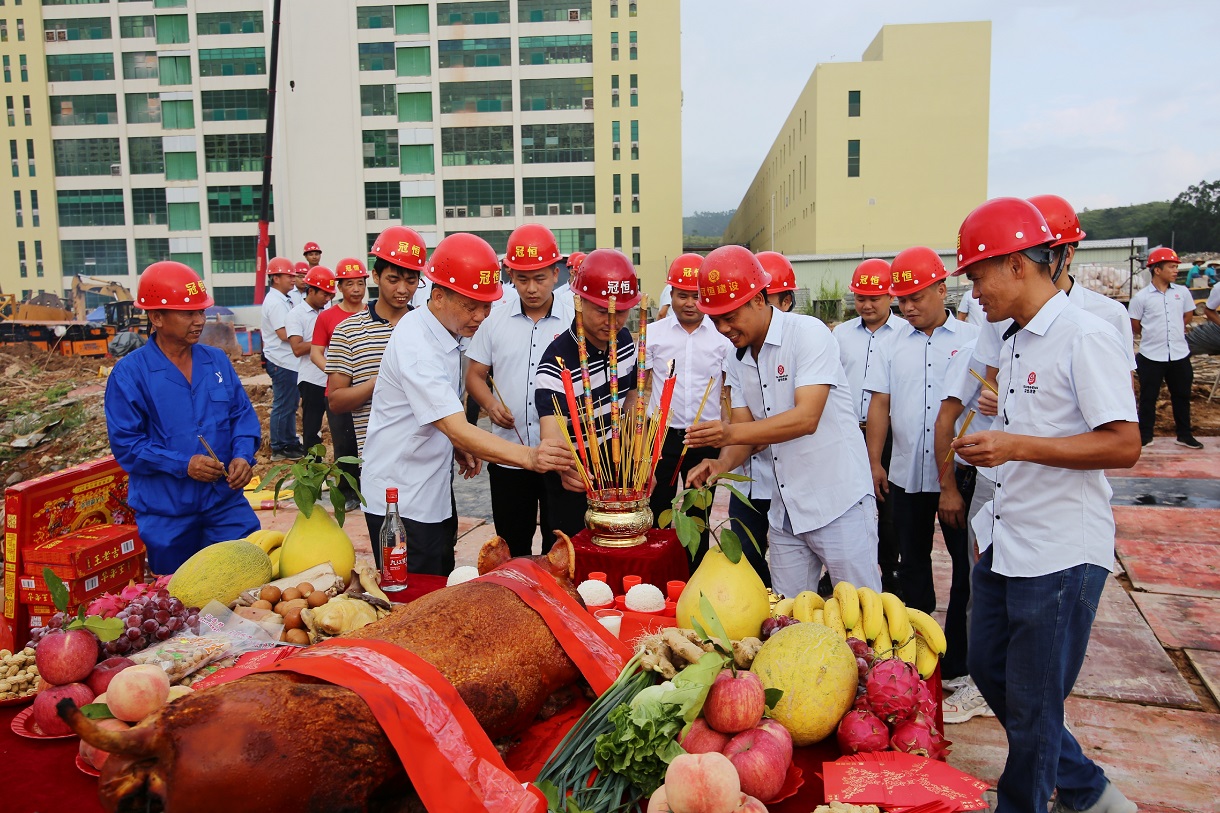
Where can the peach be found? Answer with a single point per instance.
(137, 692)
(657, 803)
(702, 783)
(750, 805)
(96, 756)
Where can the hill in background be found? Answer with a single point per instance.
(705, 228)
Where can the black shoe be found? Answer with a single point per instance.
(1189, 442)
(889, 582)
(825, 588)
(353, 504)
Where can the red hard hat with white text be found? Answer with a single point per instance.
(172, 286)
(871, 278)
(684, 272)
(575, 259)
(915, 269)
(1060, 218)
(279, 265)
(350, 268)
(321, 277)
(467, 264)
(783, 275)
(605, 273)
(531, 247)
(729, 277)
(401, 246)
(311, 246)
(1162, 255)
(998, 227)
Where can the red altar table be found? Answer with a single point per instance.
(659, 560)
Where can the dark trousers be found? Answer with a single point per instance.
(430, 545)
(343, 438)
(914, 520)
(1178, 376)
(565, 509)
(663, 493)
(313, 407)
(516, 497)
(741, 517)
(887, 538)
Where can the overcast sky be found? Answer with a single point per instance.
(1106, 102)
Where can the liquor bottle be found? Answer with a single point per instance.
(393, 541)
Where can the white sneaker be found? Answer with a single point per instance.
(1112, 801)
(954, 684)
(965, 703)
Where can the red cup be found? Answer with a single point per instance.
(674, 589)
(597, 576)
(629, 582)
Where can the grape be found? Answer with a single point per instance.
(133, 634)
(149, 625)
(56, 621)
(133, 621)
(176, 606)
(162, 593)
(162, 616)
(174, 623)
(121, 646)
(192, 620)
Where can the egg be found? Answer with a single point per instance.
(262, 605)
(317, 598)
(270, 593)
(292, 619)
(290, 594)
(297, 637)
(305, 588)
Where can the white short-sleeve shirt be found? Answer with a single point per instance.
(971, 309)
(960, 384)
(300, 322)
(419, 382)
(1162, 329)
(1109, 310)
(818, 476)
(276, 306)
(911, 368)
(858, 348)
(1213, 298)
(1063, 374)
(698, 356)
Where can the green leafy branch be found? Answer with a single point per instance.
(312, 472)
(106, 629)
(690, 529)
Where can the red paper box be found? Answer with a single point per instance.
(84, 553)
(34, 589)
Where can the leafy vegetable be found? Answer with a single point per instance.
(643, 742)
(106, 629)
(309, 474)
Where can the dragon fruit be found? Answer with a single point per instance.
(892, 689)
(862, 731)
(918, 735)
(925, 704)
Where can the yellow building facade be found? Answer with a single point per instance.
(880, 154)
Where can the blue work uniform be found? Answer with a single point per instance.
(154, 419)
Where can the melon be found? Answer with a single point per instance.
(735, 591)
(220, 572)
(816, 670)
(315, 539)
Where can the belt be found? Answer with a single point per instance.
(863, 425)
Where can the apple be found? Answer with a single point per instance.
(96, 756)
(66, 657)
(776, 729)
(702, 783)
(703, 739)
(45, 716)
(751, 805)
(99, 679)
(759, 759)
(735, 702)
(137, 692)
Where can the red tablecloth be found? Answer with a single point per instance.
(659, 560)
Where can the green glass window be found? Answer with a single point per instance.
(415, 61)
(178, 115)
(94, 257)
(618, 238)
(556, 94)
(169, 3)
(853, 103)
(233, 296)
(184, 217)
(80, 67)
(635, 245)
(234, 255)
(150, 250)
(68, 2)
(419, 211)
(234, 152)
(544, 194)
(101, 108)
(90, 207)
(375, 56)
(614, 90)
(476, 97)
(85, 156)
(380, 148)
(475, 193)
(556, 143)
(81, 28)
(615, 129)
(374, 17)
(378, 100)
(172, 29)
(383, 196)
(232, 61)
(148, 207)
(556, 50)
(181, 166)
(485, 53)
(140, 65)
(174, 70)
(411, 19)
(853, 158)
(553, 11)
(417, 159)
(137, 27)
(570, 240)
(143, 108)
(477, 13)
(146, 156)
(635, 90)
(246, 104)
(191, 259)
(229, 22)
(465, 146)
(415, 106)
(235, 204)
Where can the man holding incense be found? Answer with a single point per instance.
(790, 393)
(512, 341)
(599, 359)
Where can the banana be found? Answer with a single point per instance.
(897, 619)
(804, 604)
(926, 626)
(784, 607)
(872, 616)
(883, 647)
(834, 618)
(275, 562)
(909, 650)
(925, 658)
(856, 632)
(849, 603)
(268, 540)
(818, 617)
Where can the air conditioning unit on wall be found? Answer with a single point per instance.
(578, 208)
(588, 102)
(370, 214)
(528, 210)
(116, 169)
(573, 15)
(49, 36)
(552, 208)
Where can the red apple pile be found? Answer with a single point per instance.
(65, 660)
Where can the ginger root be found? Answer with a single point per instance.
(744, 652)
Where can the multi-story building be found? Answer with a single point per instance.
(452, 116)
(880, 154)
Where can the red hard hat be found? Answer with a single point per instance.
(321, 277)
(729, 277)
(915, 269)
(531, 247)
(311, 246)
(467, 264)
(350, 268)
(998, 227)
(279, 265)
(872, 278)
(1060, 218)
(783, 275)
(401, 246)
(605, 273)
(575, 259)
(684, 272)
(300, 269)
(171, 286)
(1162, 255)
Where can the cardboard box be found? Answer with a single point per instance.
(83, 553)
(81, 590)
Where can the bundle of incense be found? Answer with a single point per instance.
(563, 430)
(569, 393)
(641, 383)
(613, 372)
(949, 457)
(698, 413)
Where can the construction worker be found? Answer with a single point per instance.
(699, 354)
(781, 293)
(311, 382)
(281, 363)
(1046, 540)
(297, 294)
(351, 282)
(164, 402)
(603, 273)
(417, 426)
(789, 392)
(905, 383)
(312, 253)
(574, 260)
(860, 342)
(512, 340)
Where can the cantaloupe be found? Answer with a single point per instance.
(220, 572)
(816, 670)
(316, 539)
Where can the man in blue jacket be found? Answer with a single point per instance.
(160, 401)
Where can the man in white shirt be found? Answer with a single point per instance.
(968, 310)
(299, 286)
(311, 381)
(1204, 340)
(781, 292)
(905, 383)
(1160, 314)
(790, 393)
(1067, 412)
(281, 363)
(512, 341)
(860, 341)
(417, 424)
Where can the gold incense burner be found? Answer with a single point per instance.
(618, 518)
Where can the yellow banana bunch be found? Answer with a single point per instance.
(818, 617)
(925, 658)
(857, 633)
(849, 603)
(926, 626)
(266, 539)
(275, 563)
(883, 647)
(784, 607)
(834, 617)
(805, 603)
(872, 616)
(899, 625)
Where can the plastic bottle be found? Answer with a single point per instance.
(393, 541)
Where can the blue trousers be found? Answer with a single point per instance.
(285, 400)
(172, 539)
(1028, 637)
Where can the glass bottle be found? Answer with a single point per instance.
(393, 542)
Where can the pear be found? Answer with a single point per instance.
(316, 539)
(735, 591)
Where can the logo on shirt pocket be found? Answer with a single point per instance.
(780, 375)
(1031, 384)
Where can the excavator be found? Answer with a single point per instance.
(49, 324)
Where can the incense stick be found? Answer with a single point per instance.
(674, 480)
(612, 362)
(496, 391)
(961, 434)
(212, 454)
(984, 381)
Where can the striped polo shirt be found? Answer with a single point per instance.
(548, 383)
(355, 350)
